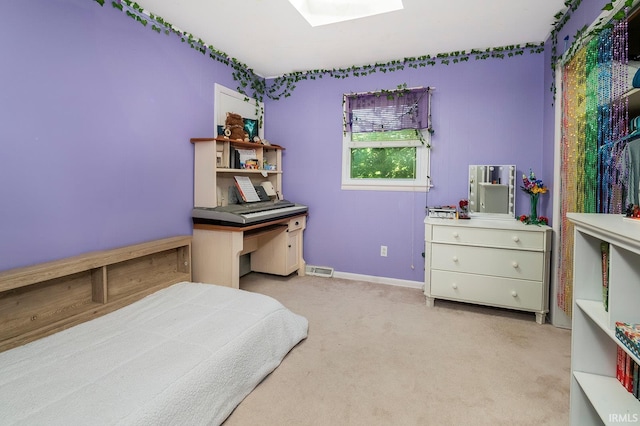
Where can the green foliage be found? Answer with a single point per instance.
(281, 85)
(563, 17)
(582, 34)
(388, 136)
(383, 163)
(254, 86)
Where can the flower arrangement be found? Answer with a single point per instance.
(542, 220)
(534, 187)
(531, 185)
(464, 209)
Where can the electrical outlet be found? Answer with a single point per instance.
(383, 251)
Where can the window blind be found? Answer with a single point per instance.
(387, 111)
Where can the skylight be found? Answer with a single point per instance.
(324, 12)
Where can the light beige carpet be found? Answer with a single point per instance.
(376, 355)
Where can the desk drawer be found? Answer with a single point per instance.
(518, 264)
(494, 291)
(487, 237)
(297, 223)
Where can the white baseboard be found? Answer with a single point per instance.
(379, 280)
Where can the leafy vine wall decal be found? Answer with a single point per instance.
(256, 87)
(583, 33)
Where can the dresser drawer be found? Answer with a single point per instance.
(486, 290)
(488, 237)
(518, 264)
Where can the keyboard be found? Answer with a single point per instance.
(279, 212)
(246, 214)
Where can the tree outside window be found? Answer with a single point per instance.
(386, 140)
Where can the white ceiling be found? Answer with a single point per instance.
(271, 37)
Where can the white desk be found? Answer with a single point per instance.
(275, 247)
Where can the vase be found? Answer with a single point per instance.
(533, 214)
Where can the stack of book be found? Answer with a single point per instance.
(443, 212)
(629, 335)
(627, 369)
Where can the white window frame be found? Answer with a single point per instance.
(422, 181)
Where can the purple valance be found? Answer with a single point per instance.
(386, 111)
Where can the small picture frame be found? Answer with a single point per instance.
(251, 127)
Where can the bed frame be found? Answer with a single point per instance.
(39, 300)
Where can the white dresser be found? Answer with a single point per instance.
(501, 263)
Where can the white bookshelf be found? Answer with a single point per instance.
(597, 397)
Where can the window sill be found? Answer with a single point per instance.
(387, 187)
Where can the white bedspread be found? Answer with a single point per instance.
(186, 355)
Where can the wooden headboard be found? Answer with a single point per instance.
(39, 300)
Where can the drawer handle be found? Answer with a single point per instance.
(456, 235)
(516, 238)
(454, 286)
(297, 223)
(514, 264)
(514, 293)
(455, 258)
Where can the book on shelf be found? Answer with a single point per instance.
(619, 364)
(234, 158)
(604, 250)
(247, 155)
(636, 384)
(629, 335)
(627, 371)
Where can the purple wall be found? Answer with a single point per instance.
(492, 111)
(486, 111)
(96, 113)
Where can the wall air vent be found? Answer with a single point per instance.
(319, 271)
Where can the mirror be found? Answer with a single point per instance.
(492, 191)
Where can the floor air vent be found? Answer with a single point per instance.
(320, 271)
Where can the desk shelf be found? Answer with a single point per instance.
(213, 177)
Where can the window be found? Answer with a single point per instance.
(323, 12)
(386, 140)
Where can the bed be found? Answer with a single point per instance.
(178, 353)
